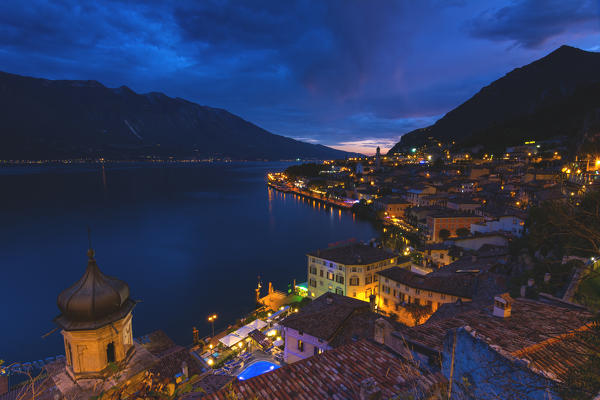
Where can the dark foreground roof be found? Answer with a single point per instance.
(339, 374)
(353, 254)
(544, 335)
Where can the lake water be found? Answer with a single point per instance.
(190, 240)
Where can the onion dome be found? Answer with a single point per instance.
(94, 300)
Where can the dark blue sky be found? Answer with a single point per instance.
(349, 73)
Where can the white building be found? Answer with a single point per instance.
(327, 322)
(507, 223)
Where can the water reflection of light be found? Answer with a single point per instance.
(104, 184)
(270, 196)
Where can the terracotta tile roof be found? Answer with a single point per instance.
(337, 374)
(209, 384)
(353, 254)
(156, 342)
(322, 319)
(44, 390)
(171, 362)
(540, 333)
(449, 283)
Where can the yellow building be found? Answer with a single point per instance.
(412, 297)
(349, 269)
(96, 323)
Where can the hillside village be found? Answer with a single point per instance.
(463, 296)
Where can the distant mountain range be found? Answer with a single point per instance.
(557, 95)
(62, 119)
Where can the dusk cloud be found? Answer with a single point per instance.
(530, 23)
(339, 72)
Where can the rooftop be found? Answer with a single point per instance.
(325, 316)
(339, 374)
(353, 254)
(452, 214)
(537, 332)
(448, 283)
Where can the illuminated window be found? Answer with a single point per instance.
(300, 345)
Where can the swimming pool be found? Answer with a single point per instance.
(258, 368)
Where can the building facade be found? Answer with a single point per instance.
(450, 222)
(326, 323)
(348, 270)
(412, 297)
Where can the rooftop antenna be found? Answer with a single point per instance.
(90, 250)
(89, 236)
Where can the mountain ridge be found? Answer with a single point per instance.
(62, 119)
(557, 78)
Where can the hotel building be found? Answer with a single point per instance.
(349, 270)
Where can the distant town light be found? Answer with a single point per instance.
(413, 150)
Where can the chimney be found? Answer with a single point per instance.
(329, 299)
(382, 329)
(3, 384)
(502, 305)
(372, 302)
(530, 282)
(184, 369)
(369, 390)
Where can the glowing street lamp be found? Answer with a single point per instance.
(211, 319)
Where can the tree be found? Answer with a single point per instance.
(438, 164)
(444, 234)
(309, 170)
(570, 227)
(462, 232)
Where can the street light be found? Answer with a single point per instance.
(211, 319)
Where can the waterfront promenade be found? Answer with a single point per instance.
(314, 196)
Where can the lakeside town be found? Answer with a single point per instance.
(300, 200)
(464, 295)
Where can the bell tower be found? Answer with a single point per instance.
(95, 322)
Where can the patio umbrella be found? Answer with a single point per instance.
(231, 340)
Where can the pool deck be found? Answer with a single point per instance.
(256, 356)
